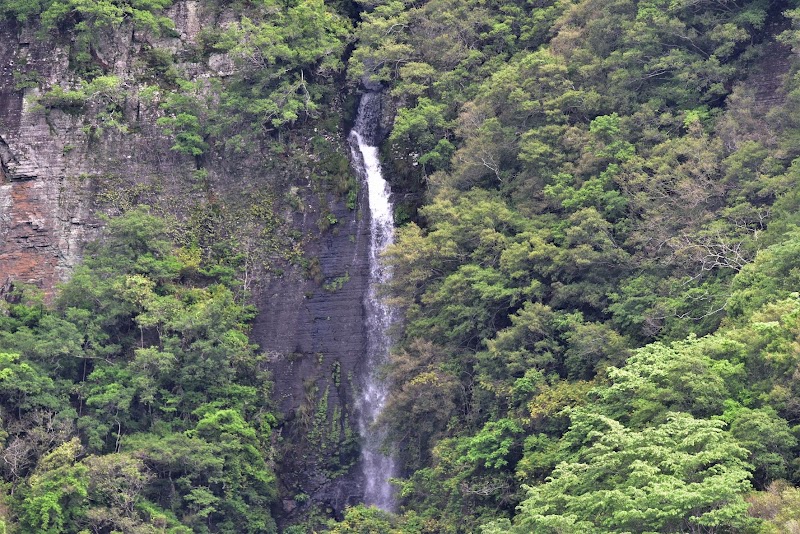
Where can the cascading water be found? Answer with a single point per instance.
(378, 467)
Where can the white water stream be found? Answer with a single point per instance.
(378, 467)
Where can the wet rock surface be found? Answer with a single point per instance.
(315, 335)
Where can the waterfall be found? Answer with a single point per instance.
(377, 467)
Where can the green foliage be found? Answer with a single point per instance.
(609, 223)
(182, 120)
(770, 276)
(694, 376)
(418, 127)
(299, 40)
(24, 386)
(102, 90)
(680, 475)
(768, 438)
(286, 55)
(22, 10)
(778, 506)
(106, 13)
(86, 20)
(491, 445)
(154, 356)
(53, 499)
(364, 520)
(336, 283)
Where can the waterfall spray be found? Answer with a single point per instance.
(378, 468)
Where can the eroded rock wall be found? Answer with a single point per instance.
(43, 220)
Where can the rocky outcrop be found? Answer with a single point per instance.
(43, 221)
(61, 168)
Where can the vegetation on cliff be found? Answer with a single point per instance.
(597, 268)
(598, 287)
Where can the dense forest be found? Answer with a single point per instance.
(597, 265)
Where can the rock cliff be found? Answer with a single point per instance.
(44, 217)
(305, 246)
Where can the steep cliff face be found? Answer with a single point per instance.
(60, 168)
(305, 246)
(316, 336)
(43, 212)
